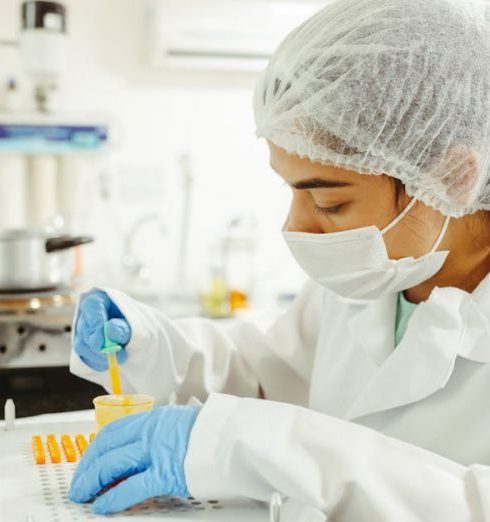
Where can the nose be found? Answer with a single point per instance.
(302, 217)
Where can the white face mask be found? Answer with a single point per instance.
(355, 263)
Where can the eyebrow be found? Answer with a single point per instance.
(315, 183)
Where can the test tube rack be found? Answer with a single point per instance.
(36, 466)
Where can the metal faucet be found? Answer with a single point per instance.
(131, 264)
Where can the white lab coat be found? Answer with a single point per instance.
(353, 426)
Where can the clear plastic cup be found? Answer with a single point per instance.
(108, 408)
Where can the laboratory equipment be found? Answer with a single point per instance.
(36, 260)
(39, 490)
(43, 47)
(35, 338)
(108, 408)
(9, 412)
(149, 449)
(46, 159)
(42, 178)
(114, 373)
(37, 310)
(232, 269)
(110, 348)
(239, 248)
(13, 191)
(133, 266)
(215, 300)
(97, 308)
(50, 449)
(12, 99)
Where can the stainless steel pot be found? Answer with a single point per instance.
(32, 260)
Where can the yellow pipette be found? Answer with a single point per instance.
(114, 373)
(111, 348)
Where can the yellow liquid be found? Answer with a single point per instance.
(114, 373)
(108, 408)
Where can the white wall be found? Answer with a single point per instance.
(160, 115)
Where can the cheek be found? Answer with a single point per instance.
(377, 208)
(412, 238)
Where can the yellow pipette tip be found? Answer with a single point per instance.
(111, 348)
(114, 374)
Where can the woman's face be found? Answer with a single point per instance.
(331, 199)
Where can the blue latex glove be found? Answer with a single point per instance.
(95, 309)
(148, 447)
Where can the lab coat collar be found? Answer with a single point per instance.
(374, 327)
(449, 324)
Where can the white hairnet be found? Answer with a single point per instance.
(396, 87)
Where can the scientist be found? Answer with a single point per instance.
(377, 380)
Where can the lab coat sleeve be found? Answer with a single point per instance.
(249, 447)
(194, 357)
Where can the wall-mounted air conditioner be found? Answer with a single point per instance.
(222, 34)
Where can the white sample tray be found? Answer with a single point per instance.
(37, 493)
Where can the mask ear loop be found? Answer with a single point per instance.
(400, 216)
(405, 211)
(441, 235)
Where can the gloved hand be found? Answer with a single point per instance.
(95, 309)
(148, 447)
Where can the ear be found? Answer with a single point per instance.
(460, 173)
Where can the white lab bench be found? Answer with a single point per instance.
(37, 493)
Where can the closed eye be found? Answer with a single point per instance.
(329, 210)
